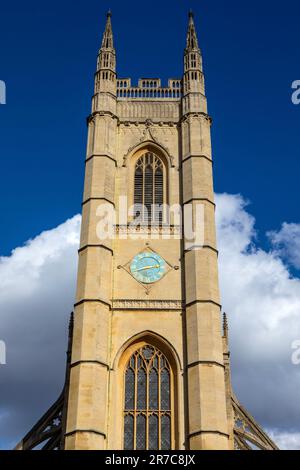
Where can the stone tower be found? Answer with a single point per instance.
(145, 295)
(147, 363)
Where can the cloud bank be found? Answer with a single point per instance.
(37, 285)
(263, 303)
(258, 292)
(287, 243)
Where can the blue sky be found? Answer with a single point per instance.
(48, 56)
(251, 57)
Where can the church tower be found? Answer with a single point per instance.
(147, 363)
(147, 368)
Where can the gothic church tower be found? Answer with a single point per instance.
(147, 368)
(147, 363)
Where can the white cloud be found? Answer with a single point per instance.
(286, 440)
(263, 303)
(287, 243)
(36, 297)
(262, 300)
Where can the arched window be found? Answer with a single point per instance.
(147, 407)
(149, 188)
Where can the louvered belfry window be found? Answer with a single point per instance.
(147, 408)
(149, 188)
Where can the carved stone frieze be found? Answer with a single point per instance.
(125, 304)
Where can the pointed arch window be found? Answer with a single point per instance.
(147, 404)
(149, 188)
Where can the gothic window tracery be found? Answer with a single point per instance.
(149, 187)
(147, 403)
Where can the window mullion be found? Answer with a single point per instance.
(135, 401)
(153, 192)
(147, 408)
(143, 189)
(159, 410)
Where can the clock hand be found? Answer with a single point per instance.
(147, 267)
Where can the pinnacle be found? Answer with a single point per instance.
(192, 41)
(107, 41)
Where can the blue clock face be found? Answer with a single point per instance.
(148, 267)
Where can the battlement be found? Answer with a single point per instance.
(149, 88)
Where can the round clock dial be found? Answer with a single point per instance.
(148, 267)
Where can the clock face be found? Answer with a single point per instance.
(148, 267)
